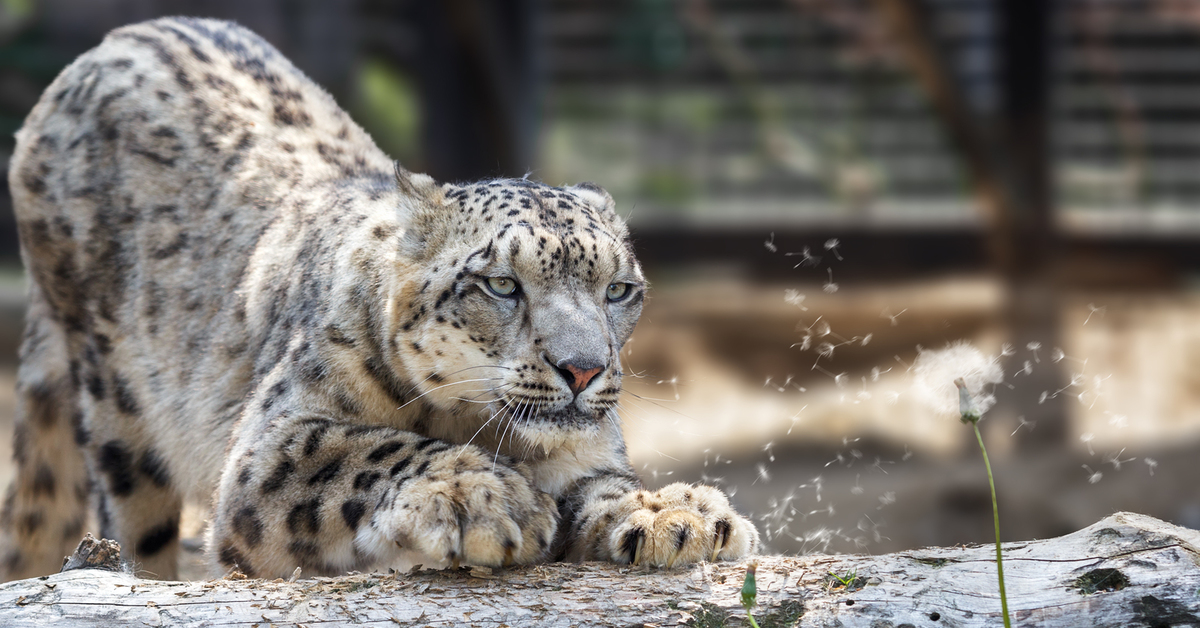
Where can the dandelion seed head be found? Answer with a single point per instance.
(935, 370)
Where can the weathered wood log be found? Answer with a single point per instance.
(1126, 570)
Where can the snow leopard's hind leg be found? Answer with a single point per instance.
(45, 509)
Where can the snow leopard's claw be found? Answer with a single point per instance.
(679, 525)
(720, 538)
(631, 546)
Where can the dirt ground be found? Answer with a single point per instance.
(834, 455)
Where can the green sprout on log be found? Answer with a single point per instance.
(750, 592)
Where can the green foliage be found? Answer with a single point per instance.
(389, 110)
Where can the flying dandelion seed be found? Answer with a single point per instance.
(1027, 369)
(887, 499)
(866, 339)
(1092, 309)
(806, 258)
(1119, 421)
(795, 298)
(822, 329)
(1057, 355)
(763, 474)
(907, 454)
(878, 465)
(1022, 422)
(840, 380)
(1151, 464)
(1006, 349)
(825, 350)
(935, 370)
(1093, 476)
(1087, 439)
(857, 489)
(770, 243)
(1034, 347)
(832, 245)
(770, 454)
(1115, 460)
(795, 417)
(894, 318)
(830, 287)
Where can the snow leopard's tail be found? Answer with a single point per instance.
(45, 508)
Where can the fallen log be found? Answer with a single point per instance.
(1125, 570)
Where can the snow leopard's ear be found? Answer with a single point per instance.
(429, 220)
(597, 197)
(412, 183)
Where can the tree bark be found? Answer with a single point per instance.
(1126, 570)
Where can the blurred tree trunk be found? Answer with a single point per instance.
(1010, 172)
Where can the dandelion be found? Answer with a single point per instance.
(970, 412)
(935, 370)
(795, 298)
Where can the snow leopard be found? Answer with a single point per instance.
(237, 299)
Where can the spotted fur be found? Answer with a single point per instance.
(237, 297)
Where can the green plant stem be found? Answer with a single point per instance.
(751, 617)
(995, 524)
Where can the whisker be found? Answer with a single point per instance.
(500, 442)
(653, 401)
(506, 406)
(465, 381)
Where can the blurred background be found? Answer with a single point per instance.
(820, 190)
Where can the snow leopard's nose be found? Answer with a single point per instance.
(578, 372)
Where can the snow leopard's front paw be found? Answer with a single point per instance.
(677, 525)
(464, 509)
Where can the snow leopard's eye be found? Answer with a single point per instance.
(617, 291)
(502, 286)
